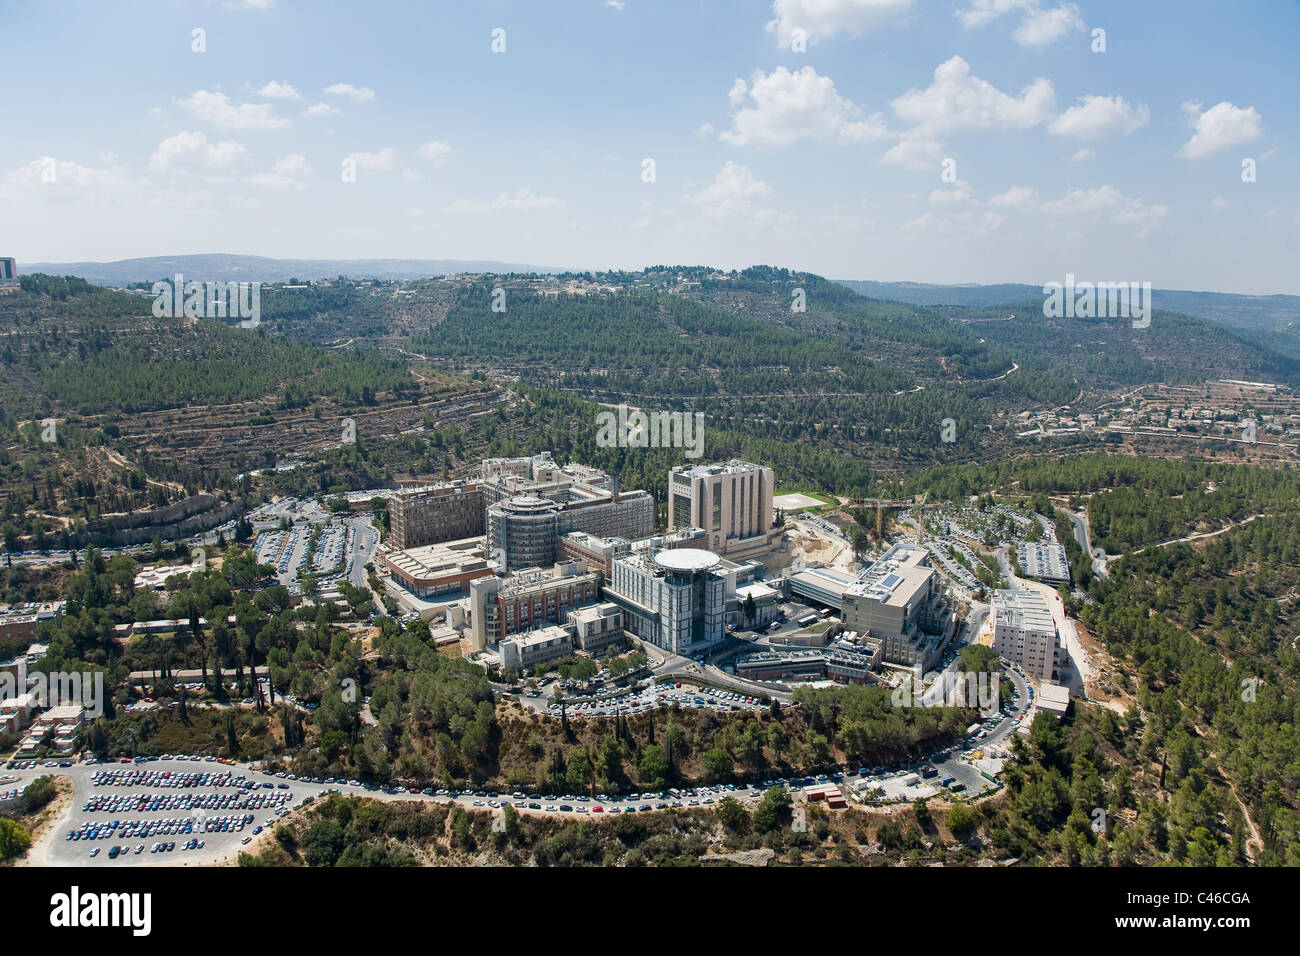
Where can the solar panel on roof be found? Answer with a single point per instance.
(889, 581)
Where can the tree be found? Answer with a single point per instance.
(718, 765)
(772, 809)
(14, 840)
(653, 768)
(961, 820)
(733, 814)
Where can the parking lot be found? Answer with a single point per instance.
(173, 810)
(665, 694)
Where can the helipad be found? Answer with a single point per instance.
(686, 559)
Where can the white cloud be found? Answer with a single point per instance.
(275, 90)
(705, 130)
(1083, 155)
(1219, 127)
(383, 161)
(435, 152)
(216, 108)
(616, 4)
(1109, 203)
(956, 100)
(1017, 197)
(284, 174)
(1218, 202)
(914, 152)
(1042, 28)
(192, 150)
(31, 180)
(1039, 26)
(1096, 116)
(959, 193)
(319, 109)
(820, 19)
(520, 199)
(787, 107)
(732, 193)
(962, 223)
(359, 93)
(295, 164)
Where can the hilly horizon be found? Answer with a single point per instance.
(238, 267)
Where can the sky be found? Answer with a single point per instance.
(949, 141)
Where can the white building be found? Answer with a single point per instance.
(524, 651)
(1024, 631)
(675, 599)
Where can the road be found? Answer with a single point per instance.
(1082, 534)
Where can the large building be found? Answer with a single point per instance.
(596, 626)
(522, 505)
(8, 270)
(435, 513)
(438, 569)
(525, 651)
(21, 621)
(676, 599)
(520, 602)
(900, 601)
(1024, 631)
(732, 502)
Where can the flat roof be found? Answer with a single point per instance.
(686, 559)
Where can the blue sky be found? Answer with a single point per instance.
(121, 140)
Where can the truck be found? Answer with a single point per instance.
(970, 731)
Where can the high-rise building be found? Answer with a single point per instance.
(675, 599)
(435, 513)
(1024, 631)
(732, 502)
(8, 270)
(519, 602)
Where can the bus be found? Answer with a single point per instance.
(806, 620)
